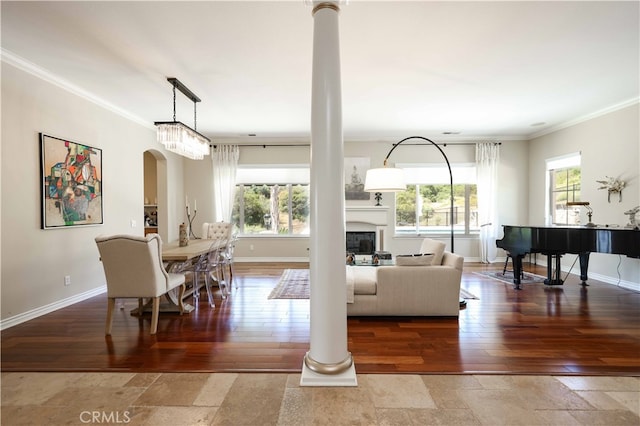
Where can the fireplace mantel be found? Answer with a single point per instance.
(375, 215)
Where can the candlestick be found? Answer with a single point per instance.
(190, 222)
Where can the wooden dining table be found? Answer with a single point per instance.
(173, 253)
(178, 259)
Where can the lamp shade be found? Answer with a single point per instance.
(385, 179)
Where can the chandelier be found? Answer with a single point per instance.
(178, 137)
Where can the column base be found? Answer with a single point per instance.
(311, 378)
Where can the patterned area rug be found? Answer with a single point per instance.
(294, 284)
(508, 277)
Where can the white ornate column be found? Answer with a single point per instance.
(328, 363)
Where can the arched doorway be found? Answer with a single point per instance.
(155, 192)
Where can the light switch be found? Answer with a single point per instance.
(133, 223)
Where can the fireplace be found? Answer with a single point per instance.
(369, 220)
(361, 242)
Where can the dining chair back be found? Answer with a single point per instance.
(227, 257)
(211, 265)
(133, 269)
(215, 230)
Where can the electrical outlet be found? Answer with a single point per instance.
(251, 247)
(67, 280)
(133, 223)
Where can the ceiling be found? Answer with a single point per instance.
(506, 70)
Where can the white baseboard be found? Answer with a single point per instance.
(43, 310)
(630, 285)
(271, 259)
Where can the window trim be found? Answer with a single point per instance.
(553, 164)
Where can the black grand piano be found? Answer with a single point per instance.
(556, 240)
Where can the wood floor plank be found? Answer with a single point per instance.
(569, 329)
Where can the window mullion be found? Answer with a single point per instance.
(290, 207)
(241, 209)
(467, 209)
(417, 214)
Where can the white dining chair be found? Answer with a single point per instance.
(133, 269)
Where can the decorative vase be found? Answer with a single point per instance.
(184, 235)
(614, 192)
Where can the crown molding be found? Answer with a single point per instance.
(587, 117)
(16, 61)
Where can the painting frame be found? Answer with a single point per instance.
(70, 183)
(355, 169)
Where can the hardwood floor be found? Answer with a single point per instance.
(565, 330)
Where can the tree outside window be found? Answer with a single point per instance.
(272, 209)
(425, 208)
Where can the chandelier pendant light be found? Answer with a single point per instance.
(178, 137)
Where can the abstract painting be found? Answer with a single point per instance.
(71, 183)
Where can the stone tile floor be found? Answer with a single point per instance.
(277, 399)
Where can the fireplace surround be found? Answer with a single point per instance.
(372, 219)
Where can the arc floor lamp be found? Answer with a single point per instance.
(391, 179)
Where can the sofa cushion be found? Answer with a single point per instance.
(420, 259)
(435, 247)
(364, 279)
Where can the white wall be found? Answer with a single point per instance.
(610, 146)
(35, 261)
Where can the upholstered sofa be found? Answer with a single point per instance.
(420, 286)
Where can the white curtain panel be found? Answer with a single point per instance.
(225, 165)
(487, 161)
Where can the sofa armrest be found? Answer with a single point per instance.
(454, 260)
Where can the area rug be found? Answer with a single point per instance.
(508, 277)
(294, 284)
(464, 294)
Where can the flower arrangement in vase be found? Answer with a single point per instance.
(612, 185)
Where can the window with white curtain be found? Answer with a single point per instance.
(563, 184)
(272, 200)
(424, 207)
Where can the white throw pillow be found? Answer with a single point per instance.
(414, 259)
(435, 247)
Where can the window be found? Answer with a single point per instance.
(563, 182)
(272, 201)
(424, 207)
